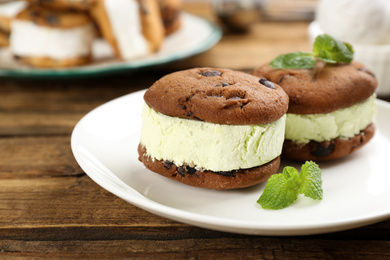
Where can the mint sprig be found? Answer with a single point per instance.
(294, 60)
(325, 48)
(283, 189)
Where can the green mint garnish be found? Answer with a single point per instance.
(310, 180)
(325, 48)
(283, 189)
(294, 60)
(330, 50)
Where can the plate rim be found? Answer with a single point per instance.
(213, 222)
(74, 72)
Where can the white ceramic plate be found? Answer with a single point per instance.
(356, 189)
(195, 36)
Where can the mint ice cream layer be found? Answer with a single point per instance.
(209, 146)
(343, 123)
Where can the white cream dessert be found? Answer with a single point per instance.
(134, 29)
(125, 21)
(343, 123)
(51, 38)
(54, 43)
(229, 147)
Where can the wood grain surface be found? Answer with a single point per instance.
(50, 209)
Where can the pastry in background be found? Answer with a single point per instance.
(331, 111)
(132, 27)
(170, 13)
(8, 11)
(51, 38)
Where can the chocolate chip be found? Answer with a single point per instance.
(184, 107)
(210, 73)
(197, 118)
(183, 169)
(225, 84)
(191, 170)
(322, 149)
(168, 164)
(52, 19)
(267, 83)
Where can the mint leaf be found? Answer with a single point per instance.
(294, 60)
(281, 190)
(325, 48)
(331, 50)
(310, 180)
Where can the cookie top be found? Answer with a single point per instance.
(324, 88)
(219, 96)
(54, 18)
(83, 5)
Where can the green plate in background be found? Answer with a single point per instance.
(196, 35)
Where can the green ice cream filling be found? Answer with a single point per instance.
(208, 146)
(343, 123)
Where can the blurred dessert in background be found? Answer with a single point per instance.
(170, 15)
(64, 33)
(49, 38)
(133, 28)
(8, 10)
(366, 25)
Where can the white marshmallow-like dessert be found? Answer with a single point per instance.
(133, 28)
(47, 38)
(55, 43)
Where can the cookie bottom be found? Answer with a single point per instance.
(45, 62)
(208, 179)
(328, 150)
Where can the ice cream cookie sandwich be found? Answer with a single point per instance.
(132, 27)
(213, 128)
(47, 38)
(331, 109)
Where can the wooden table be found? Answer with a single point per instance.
(49, 208)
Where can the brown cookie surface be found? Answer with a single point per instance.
(328, 150)
(208, 179)
(83, 5)
(324, 88)
(54, 18)
(218, 96)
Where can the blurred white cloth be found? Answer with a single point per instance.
(356, 21)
